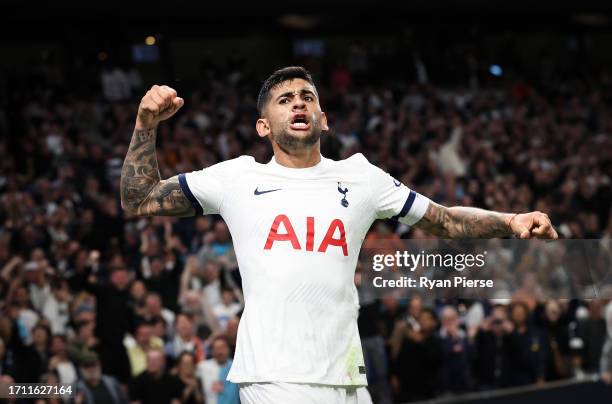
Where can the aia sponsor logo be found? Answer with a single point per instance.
(288, 235)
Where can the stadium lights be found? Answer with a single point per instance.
(150, 40)
(496, 70)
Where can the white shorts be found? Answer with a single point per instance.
(294, 393)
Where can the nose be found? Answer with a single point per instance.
(298, 104)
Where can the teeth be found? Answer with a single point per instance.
(300, 124)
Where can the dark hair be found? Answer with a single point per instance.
(158, 319)
(432, 313)
(115, 268)
(222, 338)
(521, 304)
(42, 326)
(63, 337)
(186, 353)
(185, 314)
(278, 77)
(142, 323)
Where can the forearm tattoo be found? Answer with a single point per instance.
(463, 222)
(142, 190)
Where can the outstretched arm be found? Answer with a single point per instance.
(143, 192)
(466, 222)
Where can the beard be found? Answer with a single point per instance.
(289, 141)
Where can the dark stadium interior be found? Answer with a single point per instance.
(504, 106)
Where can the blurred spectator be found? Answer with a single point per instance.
(228, 307)
(113, 308)
(592, 332)
(213, 374)
(51, 378)
(455, 372)
(20, 309)
(31, 361)
(94, 387)
(138, 295)
(160, 268)
(160, 328)
(186, 371)
(448, 156)
(194, 299)
(144, 342)
(530, 362)
(419, 360)
(155, 385)
(557, 337)
(606, 357)
(113, 357)
(185, 339)
(373, 346)
(56, 308)
(495, 349)
(231, 333)
(115, 84)
(59, 362)
(153, 309)
(212, 286)
(6, 359)
(401, 325)
(36, 279)
(218, 246)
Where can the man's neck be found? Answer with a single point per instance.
(302, 158)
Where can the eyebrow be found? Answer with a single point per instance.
(291, 93)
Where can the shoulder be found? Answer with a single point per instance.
(208, 365)
(360, 164)
(157, 342)
(357, 159)
(110, 381)
(235, 163)
(356, 162)
(224, 170)
(247, 160)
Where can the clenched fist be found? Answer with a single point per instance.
(532, 225)
(158, 104)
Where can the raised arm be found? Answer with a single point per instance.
(143, 192)
(466, 222)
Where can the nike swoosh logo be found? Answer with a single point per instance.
(257, 192)
(396, 183)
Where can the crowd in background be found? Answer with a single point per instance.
(147, 309)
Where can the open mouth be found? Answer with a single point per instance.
(299, 122)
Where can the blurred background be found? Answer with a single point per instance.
(503, 106)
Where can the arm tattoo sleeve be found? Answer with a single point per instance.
(463, 222)
(142, 190)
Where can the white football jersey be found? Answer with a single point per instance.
(297, 235)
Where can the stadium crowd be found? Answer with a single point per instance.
(147, 309)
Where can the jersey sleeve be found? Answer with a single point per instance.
(393, 200)
(206, 188)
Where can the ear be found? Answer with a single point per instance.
(263, 127)
(324, 122)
